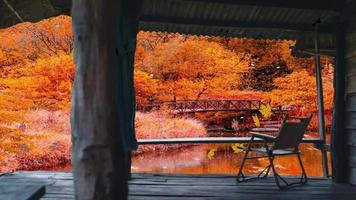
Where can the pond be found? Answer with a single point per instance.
(195, 159)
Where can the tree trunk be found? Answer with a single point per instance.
(102, 125)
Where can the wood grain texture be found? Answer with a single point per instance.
(351, 103)
(350, 137)
(352, 176)
(195, 187)
(100, 113)
(352, 158)
(350, 65)
(21, 192)
(350, 122)
(351, 84)
(350, 114)
(338, 158)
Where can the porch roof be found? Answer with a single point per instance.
(267, 19)
(240, 18)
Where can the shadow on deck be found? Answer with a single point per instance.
(59, 185)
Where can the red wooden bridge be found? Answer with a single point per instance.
(189, 106)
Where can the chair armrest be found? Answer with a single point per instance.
(262, 135)
(259, 130)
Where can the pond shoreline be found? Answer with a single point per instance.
(194, 159)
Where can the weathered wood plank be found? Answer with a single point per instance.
(350, 54)
(245, 197)
(352, 176)
(200, 186)
(237, 188)
(351, 137)
(21, 192)
(351, 161)
(350, 115)
(351, 84)
(350, 66)
(350, 122)
(351, 50)
(350, 103)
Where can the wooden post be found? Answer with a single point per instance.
(338, 148)
(103, 98)
(320, 98)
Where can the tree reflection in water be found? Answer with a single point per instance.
(194, 160)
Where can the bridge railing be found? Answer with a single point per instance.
(190, 106)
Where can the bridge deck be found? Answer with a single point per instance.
(59, 186)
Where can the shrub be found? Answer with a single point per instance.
(159, 124)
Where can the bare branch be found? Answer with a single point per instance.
(13, 10)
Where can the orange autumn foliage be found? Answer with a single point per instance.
(159, 124)
(299, 90)
(46, 82)
(27, 42)
(37, 72)
(146, 87)
(189, 68)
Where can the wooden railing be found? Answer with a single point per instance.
(211, 140)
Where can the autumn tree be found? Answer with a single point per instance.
(146, 87)
(27, 42)
(299, 89)
(192, 68)
(267, 60)
(36, 73)
(46, 83)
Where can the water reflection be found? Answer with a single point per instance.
(194, 160)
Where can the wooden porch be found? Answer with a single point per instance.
(59, 185)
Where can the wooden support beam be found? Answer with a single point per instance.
(338, 135)
(103, 98)
(331, 5)
(236, 24)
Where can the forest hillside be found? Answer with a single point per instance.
(37, 73)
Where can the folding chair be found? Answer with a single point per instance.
(285, 143)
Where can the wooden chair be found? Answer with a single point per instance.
(285, 143)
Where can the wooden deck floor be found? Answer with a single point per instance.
(59, 185)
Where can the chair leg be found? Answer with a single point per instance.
(304, 177)
(277, 177)
(263, 174)
(268, 168)
(275, 174)
(240, 176)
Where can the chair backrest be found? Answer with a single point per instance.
(291, 133)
